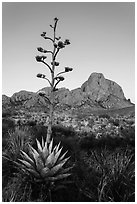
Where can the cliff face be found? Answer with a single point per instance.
(96, 92)
(100, 88)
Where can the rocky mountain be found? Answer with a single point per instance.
(97, 92)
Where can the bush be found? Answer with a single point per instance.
(62, 131)
(104, 116)
(107, 176)
(17, 140)
(18, 189)
(7, 125)
(6, 114)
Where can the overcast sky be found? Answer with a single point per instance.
(102, 37)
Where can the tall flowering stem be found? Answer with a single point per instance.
(55, 80)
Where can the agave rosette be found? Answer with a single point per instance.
(45, 163)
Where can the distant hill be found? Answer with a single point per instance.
(97, 93)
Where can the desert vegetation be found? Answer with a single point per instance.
(65, 157)
(101, 168)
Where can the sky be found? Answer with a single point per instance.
(102, 36)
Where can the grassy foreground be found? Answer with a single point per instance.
(103, 169)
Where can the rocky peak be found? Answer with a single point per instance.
(99, 88)
(96, 92)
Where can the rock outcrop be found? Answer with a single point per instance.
(99, 88)
(96, 92)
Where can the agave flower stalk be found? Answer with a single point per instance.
(46, 163)
(55, 80)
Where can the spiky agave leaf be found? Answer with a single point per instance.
(63, 161)
(39, 146)
(27, 164)
(55, 169)
(61, 176)
(34, 173)
(42, 142)
(39, 163)
(50, 146)
(57, 155)
(37, 158)
(62, 171)
(45, 152)
(27, 158)
(57, 148)
(62, 157)
(50, 160)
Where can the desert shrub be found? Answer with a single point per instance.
(38, 131)
(31, 123)
(128, 132)
(6, 113)
(115, 122)
(18, 140)
(107, 176)
(90, 142)
(85, 180)
(21, 189)
(104, 116)
(110, 143)
(7, 125)
(18, 189)
(87, 142)
(91, 122)
(62, 131)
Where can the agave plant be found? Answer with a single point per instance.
(46, 163)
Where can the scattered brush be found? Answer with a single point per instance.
(18, 140)
(114, 173)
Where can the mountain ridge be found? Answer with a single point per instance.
(96, 92)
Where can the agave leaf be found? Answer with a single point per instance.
(33, 151)
(65, 170)
(62, 157)
(63, 161)
(39, 163)
(50, 160)
(39, 146)
(34, 173)
(57, 147)
(38, 160)
(54, 150)
(61, 176)
(46, 144)
(42, 142)
(45, 152)
(27, 164)
(50, 146)
(56, 168)
(44, 171)
(27, 158)
(57, 155)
